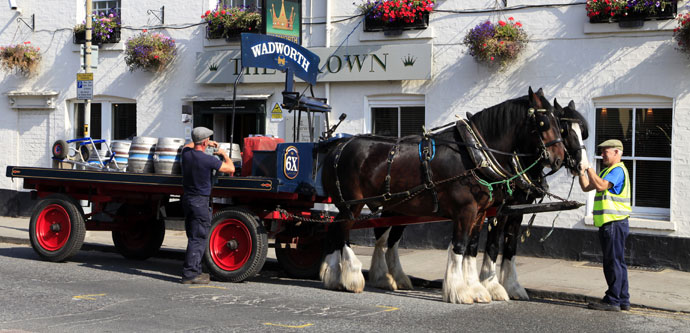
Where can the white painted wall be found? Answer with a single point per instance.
(566, 56)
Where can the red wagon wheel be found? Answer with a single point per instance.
(56, 229)
(237, 245)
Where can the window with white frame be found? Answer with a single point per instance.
(240, 3)
(397, 116)
(110, 119)
(644, 125)
(106, 5)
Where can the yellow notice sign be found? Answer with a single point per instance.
(84, 76)
(277, 113)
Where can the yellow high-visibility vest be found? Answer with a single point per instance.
(612, 207)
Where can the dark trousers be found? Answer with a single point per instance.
(612, 237)
(197, 223)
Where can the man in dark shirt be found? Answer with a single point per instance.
(197, 172)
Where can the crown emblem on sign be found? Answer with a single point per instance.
(213, 67)
(409, 60)
(281, 21)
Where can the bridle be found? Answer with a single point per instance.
(570, 162)
(542, 124)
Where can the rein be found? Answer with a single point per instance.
(489, 185)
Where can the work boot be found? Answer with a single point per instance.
(625, 307)
(603, 306)
(202, 278)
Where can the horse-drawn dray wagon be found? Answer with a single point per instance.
(465, 172)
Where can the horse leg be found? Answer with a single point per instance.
(469, 266)
(341, 270)
(378, 271)
(393, 259)
(487, 274)
(508, 268)
(454, 285)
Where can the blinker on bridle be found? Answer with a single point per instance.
(542, 123)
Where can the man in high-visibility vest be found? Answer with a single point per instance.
(612, 207)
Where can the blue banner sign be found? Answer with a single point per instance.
(278, 53)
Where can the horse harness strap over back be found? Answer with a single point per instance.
(427, 151)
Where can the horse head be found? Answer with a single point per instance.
(545, 123)
(574, 130)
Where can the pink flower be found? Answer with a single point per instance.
(501, 23)
(144, 30)
(510, 18)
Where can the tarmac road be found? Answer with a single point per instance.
(99, 291)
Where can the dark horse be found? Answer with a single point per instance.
(574, 129)
(443, 181)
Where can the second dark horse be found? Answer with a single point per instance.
(432, 175)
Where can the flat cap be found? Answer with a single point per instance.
(611, 143)
(201, 133)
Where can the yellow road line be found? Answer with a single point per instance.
(288, 326)
(390, 308)
(89, 297)
(212, 287)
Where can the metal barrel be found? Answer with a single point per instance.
(121, 150)
(166, 159)
(141, 154)
(235, 156)
(93, 158)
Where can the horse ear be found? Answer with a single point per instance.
(555, 104)
(534, 100)
(540, 92)
(571, 105)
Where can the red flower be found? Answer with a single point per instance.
(492, 58)
(155, 57)
(510, 18)
(27, 42)
(518, 24)
(222, 12)
(207, 12)
(144, 30)
(501, 23)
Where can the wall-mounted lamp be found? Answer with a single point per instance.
(649, 111)
(603, 110)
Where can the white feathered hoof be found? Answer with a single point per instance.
(496, 290)
(517, 292)
(330, 271)
(455, 289)
(378, 271)
(479, 293)
(351, 277)
(395, 269)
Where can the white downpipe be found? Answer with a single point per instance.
(328, 44)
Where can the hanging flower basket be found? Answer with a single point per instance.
(106, 29)
(229, 23)
(149, 52)
(390, 15)
(682, 33)
(497, 43)
(630, 13)
(21, 58)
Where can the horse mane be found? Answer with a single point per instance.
(496, 120)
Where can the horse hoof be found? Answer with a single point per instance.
(385, 282)
(481, 295)
(496, 290)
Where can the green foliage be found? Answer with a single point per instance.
(149, 52)
(22, 58)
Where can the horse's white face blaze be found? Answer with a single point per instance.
(580, 154)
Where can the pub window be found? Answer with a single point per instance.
(240, 3)
(94, 124)
(397, 121)
(106, 5)
(646, 133)
(124, 121)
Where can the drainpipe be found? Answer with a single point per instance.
(328, 44)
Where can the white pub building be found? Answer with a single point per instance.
(631, 83)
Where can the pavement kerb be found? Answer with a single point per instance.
(418, 282)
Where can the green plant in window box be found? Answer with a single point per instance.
(149, 52)
(21, 58)
(229, 22)
(396, 14)
(106, 28)
(600, 11)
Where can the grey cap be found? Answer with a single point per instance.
(611, 143)
(201, 133)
